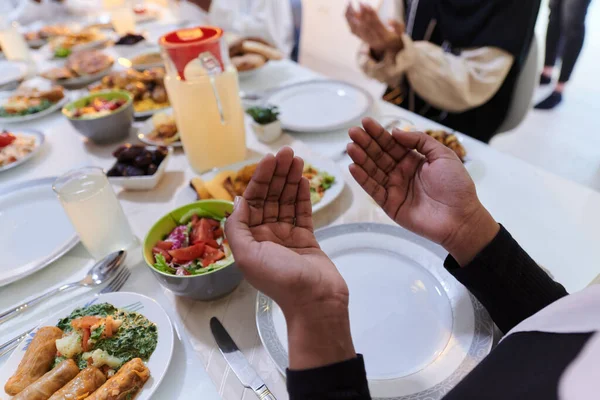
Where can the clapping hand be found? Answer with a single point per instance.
(271, 235)
(367, 26)
(422, 186)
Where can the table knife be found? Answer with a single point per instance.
(238, 362)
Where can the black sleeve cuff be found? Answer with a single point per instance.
(507, 281)
(345, 380)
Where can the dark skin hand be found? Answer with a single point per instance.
(423, 186)
(271, 236)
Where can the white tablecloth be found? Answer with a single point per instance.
(555, 220)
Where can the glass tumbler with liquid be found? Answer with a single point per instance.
(94, 211)
(203, 89)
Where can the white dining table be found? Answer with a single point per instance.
(555, 220)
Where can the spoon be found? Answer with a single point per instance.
(101, 272)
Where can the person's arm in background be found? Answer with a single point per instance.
(270, 20)
(430, 193)
(450, 82)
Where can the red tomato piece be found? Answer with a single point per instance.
(195, 219)
(158, 250)
(213, 222)
(211, 255)
(162, 244)
(189, 253)
(84, 339)
(218, 233)
(6, 138)
(202, 232)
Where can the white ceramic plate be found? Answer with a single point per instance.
(159, 360)
(147, 128)
(12, 71)
(145, 182)
(35, 229)
(419, 330)
(39, 141)
(23, 118)
(320, 105)
(149, 113)
(187, 195)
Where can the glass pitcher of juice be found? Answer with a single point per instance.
(202, 85)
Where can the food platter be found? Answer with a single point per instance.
(83, 80)
(146, 129)
(39, 139)
(420, 331)
(27, 204)
(319, 105)
(187, 195)
(23, 118)
(158, 362)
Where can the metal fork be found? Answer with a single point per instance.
(114, 286)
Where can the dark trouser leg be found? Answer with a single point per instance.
(553, 34)
(573, 29)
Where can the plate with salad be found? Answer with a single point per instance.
(118, 343)
(326, 182)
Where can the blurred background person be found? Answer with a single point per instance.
(566, 27)
(269, 20)
(453, 61)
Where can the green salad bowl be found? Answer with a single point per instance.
(207, 286)
(106, 128)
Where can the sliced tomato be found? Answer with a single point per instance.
(84, 340)
(189, 253)
(218, 233)
(85, 322)
(195, 219)
(158, 250)
(6, 139)
(213, 222)
(161, 244)
(202, 232)
(211, 255)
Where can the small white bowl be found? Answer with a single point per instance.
(146, 182)
(267, 133)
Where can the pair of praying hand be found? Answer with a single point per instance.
(418, 182)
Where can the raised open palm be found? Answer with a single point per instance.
(271, 236)
(419, 183)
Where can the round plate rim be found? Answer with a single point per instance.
(24, 118)
(50, 259)
(300, 129)
(279, 355)
(149, 113)
(22, 70)
(41, 140)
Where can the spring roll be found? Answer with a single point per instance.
(125, 383)
(48, 384)
(83, 385)
(37, 360)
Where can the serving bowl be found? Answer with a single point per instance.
(104, 128)
(207, 286)
(143, 182)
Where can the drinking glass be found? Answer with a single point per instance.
(94, 211)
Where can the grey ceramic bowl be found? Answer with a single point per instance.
(104, 128)
(208, 286)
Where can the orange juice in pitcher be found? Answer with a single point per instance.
(203, 88)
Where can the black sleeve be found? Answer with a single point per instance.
(346, 380)
(509, 284)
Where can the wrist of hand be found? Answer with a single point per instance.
(319, 334)
(475, 232)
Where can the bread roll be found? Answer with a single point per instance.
(270, 53)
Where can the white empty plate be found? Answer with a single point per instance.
(419, 330)
(35, 229)
(12, 71)
(319, 106)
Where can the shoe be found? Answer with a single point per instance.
(545, 80)
(549, 102)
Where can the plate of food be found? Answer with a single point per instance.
(145, 59)
(420, 330)
(81, 68)
(12, 71)
(160, 130)
(117, 346)
(71, 42)
(33, 99)
(326, 183)
(25, 205)
(147, 88)
(18, 146)
(248, 55)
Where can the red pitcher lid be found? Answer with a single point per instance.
(186, 45)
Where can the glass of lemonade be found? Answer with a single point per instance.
(94, 211)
